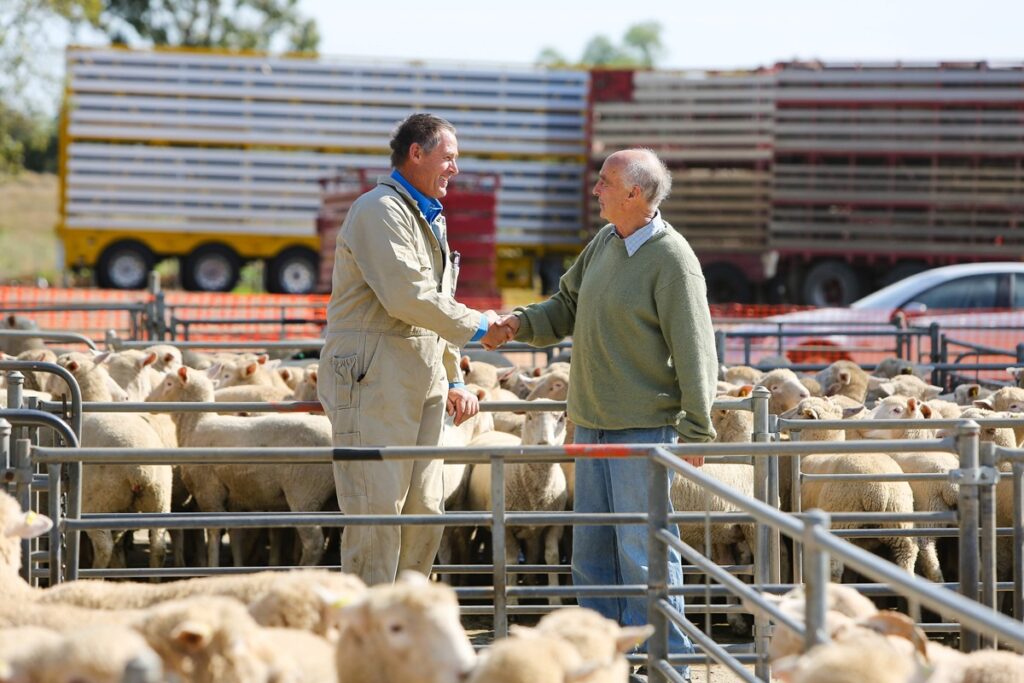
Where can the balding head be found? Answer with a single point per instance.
(642, 168)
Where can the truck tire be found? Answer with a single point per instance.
(727, 284)
(124, 265)
(293, 271)
(210, 268)
(831, 283)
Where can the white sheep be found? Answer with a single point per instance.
(15, 345)
(902, 385)
(929, 496)
(133, 371)
(99, 654)
(168, 357)
(15, 525)
(601, 642)
(530, 486)
(853, 496)
(529, 657)
(844, 378)
(118, 488)
(278, 487)
(786, 388)
(1006, 399)
(408, 631)
(1018, 375)
(892, 366)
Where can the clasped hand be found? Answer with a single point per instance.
(501, 329)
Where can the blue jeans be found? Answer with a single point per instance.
(617, 554)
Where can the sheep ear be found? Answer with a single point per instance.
(887, 388)
(973, 391)
(214, 370)
(413, 578)
(464, 363)
(931, 391)
(481, 394)
(149, 359)
(183, 373)
(193, 635)
(911, 404)
(876, 382)
(262, 358)
(891, 623)
(844, 377)
(311, 375)
(1015, 372)
(631, 636)
(985, 403)
(250, 369)
(100, 357)
(28, 525)
(926, 410)
(285, 373)
(537, 372)
(907, 370)
(72, 365)
(581, 673)
(168, 357)
(849, 412)
(745, 390)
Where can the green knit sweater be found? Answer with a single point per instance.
(643, 346)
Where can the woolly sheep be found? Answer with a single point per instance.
(902, 385)
(479, 373)
(854, 496)
(600, 641)
(844, 378)
(892, 366)
(741, 374)
(118, 488)
(100, 654)
(15, 525)
(929, 496)
(168, 357)
(13, 346)
(408, 631)
(786, 389)
(1018, 375)
(217, 488)
(532, 658)
(306, 389)
(133, 371)
(292, 375)
(1006, 399)
(41, 381)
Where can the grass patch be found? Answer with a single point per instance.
(28, 222)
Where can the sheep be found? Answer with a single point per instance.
(15, 345)
(294, 487)
(306, 389)
(902, 385)
(600, 641)
(292, 375)
(844, 378)
(892, 366)
(531, 486)
(100, 654)
(40, 381)
(168, 357)
(532, 658)
(250, 393)
(479, 373)
(16, 524)
(929, 496)
(859, 496)
(865, 656)
(553, 385)
(1018, 376)
(133, 371)
(966, 394)
(249, 369)
(786, 389)
(1006, 399)
(408, 631)
(118, 488)
(741, 374)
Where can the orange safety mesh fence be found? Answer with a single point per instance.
(51, 309)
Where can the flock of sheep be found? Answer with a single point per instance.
(312, 603)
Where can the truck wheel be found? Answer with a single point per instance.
(727, 284)
(124, 265)
(293, 271)
(831, 283)
(210, 268)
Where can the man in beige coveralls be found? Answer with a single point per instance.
(389, 369)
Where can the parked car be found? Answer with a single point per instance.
(976, 305)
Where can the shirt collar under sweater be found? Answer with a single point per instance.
(638, 238)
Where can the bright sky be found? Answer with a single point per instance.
(709, 33)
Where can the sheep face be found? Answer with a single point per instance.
(895, 408)
(412, 628)
(16, 524)
(817, 408)
(544, 429)
(786, 388)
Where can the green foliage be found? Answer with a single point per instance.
(230, 24)
(641, 47)
(26, 142)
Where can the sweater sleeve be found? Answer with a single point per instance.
(686, 324)
(381, 239)
(551, 321)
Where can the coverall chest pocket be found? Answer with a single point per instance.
(345, 380)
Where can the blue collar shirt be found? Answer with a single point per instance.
(638, 238)
(430, 208)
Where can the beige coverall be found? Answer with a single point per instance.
(393, 332)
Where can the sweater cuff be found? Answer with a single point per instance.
(525, 332)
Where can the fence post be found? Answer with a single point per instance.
(498, 545)
(936, 352)
(768, 472)
(657, 567)
(5, 455)
(73, 538)
(53, 507)
(987, 515)
(1020, 353)
(720, 337)
(967, 446)
(16, 395)
(1018, 540)
(23, 486)
(816, 578)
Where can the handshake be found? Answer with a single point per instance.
(500, 329)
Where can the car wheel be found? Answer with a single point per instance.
(124, 265)
(831, 283)
(210, 268)
(293, 271)
(727, 284)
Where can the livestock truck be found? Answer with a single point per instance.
(814, 183)
(215, 158)
(802, 182)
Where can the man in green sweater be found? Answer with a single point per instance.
(643, 370)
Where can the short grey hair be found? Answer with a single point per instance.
(421, 129)
(650, 174)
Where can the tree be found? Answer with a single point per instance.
(231, 24)
(641, 47)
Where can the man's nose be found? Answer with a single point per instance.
(455, 168)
